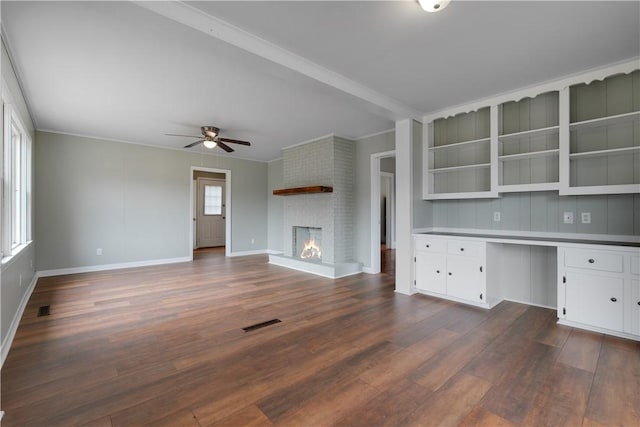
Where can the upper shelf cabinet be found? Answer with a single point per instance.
(576, 135)
(458, 157)
(528, 147)
(604, 136)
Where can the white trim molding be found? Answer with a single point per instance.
(252, 252)
(118, 266)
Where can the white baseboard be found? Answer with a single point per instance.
(368, 270)
(245, 253)
(13, 328)
(103, 267)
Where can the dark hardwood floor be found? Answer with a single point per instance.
(164, 346)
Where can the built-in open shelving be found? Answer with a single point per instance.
(528, 144)
(458, 156)
(604, 135)
(578, 135)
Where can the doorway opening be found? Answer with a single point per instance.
(383, 211)
(210, 210)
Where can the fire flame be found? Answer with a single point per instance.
(311, 250)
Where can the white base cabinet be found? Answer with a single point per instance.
(598, 290)
(597, 285)
(451, 268)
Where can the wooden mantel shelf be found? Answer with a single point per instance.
(302, 190)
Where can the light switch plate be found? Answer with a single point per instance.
(496, 216)
(585, 217)
(568, 217)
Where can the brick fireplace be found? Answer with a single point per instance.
(327, 162)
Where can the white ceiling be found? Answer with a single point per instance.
(279, 73)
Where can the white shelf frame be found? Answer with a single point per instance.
(459, 144)
(456, 168)
(509, 137)
(606, 121)
(529, 155)
(607, 152)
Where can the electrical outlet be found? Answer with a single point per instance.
(496, 216)
(585, 217)
(568, 217)
(99, 251)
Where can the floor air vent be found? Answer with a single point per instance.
(261, 325)
(44, 310)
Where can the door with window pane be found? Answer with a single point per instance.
(210, 218)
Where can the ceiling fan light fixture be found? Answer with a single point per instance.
(433, 5)
(209, 144)
(210, 131)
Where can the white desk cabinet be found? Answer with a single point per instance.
(451, 268)
(598, 290)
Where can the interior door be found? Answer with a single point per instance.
(210, 218)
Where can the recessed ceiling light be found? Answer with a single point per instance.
(433, 5)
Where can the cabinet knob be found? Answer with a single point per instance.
(638, 302)
(614, 299)
(462, 249)
(591, 260)
(449, 273)
(427, 245)
(438, 272)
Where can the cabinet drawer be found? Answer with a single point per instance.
(465, 248)
(594, 260)
(427, 244)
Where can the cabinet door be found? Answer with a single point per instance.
(430, 272)
(634, 308)
(595, 300)
(464, 279)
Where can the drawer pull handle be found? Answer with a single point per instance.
(614, 299)
(591, 260)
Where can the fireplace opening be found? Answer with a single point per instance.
(307, 243)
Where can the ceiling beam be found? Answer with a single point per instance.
(214, 27)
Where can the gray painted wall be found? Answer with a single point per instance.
(16, 275)
(275, 224)
(364, 149)
(542, 211)
(422, 209)
(132, 201)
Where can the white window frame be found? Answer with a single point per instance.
(16, 232)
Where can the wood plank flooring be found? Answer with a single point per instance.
(164, 346)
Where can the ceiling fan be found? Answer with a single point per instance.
(210, 137)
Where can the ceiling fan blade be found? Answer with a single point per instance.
(193, 144)
(225, 147)
(234, 141)
(188, 136)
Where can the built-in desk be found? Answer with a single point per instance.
(593, 284)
